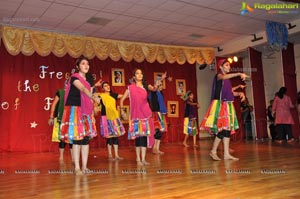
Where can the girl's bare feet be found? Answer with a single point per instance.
(161, 153)
(78, 172)
(139, 163)
(230, 157)
(111, 158)
(214, 156)
(145, 163)
(185, 144)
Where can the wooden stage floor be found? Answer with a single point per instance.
(265, 170)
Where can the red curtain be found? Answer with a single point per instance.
(25, 93)
(257, 76)
(236, 67)
(290, 82)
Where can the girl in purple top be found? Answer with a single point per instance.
(140, 121)
(220, 118)
(190, 118)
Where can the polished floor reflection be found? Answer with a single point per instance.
(265, 170)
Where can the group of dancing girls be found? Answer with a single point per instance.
(147, 114)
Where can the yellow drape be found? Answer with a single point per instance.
(110, 106)
(18, 40)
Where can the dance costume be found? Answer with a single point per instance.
(159, 110)
(58, 112)
(221, 114)
(140, 121)
(78, 123)
(190, 119)
(110, 123)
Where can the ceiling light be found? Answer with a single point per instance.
(235, 58)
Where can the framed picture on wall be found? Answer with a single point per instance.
(117, 77)
(157, 75)
(126, 109)
(173, 109)
(180, 86)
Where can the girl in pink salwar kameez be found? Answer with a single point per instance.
(281, 108)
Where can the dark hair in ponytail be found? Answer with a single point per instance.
(90, 79)
(281, 92)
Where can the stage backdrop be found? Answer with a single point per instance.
(29, 83)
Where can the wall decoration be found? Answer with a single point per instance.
(158, 75)
(173, 109)
(117, 77)
(180, 87)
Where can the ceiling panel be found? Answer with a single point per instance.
(158, 21)
(118, 6)
(92, 4)
(138, 10)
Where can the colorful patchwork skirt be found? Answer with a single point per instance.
(220, 116)
(190, 126)
(160, 121)
(111, 128)
(75, 126)
(139, 127)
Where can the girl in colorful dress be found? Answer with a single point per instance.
(140, 121)
(220, 118)
(111, 126)
(190, 118)
(78, 123)
(159, 110)
(56, 113)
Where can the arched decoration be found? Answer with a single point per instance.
(18, 40)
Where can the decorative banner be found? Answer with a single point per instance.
(29, 41)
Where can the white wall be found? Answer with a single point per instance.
(273, 75)
(249, 89)
(204, 86)
(297, 61)
(247, 70)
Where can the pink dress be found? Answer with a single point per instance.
(140, 121)
(282, 109)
